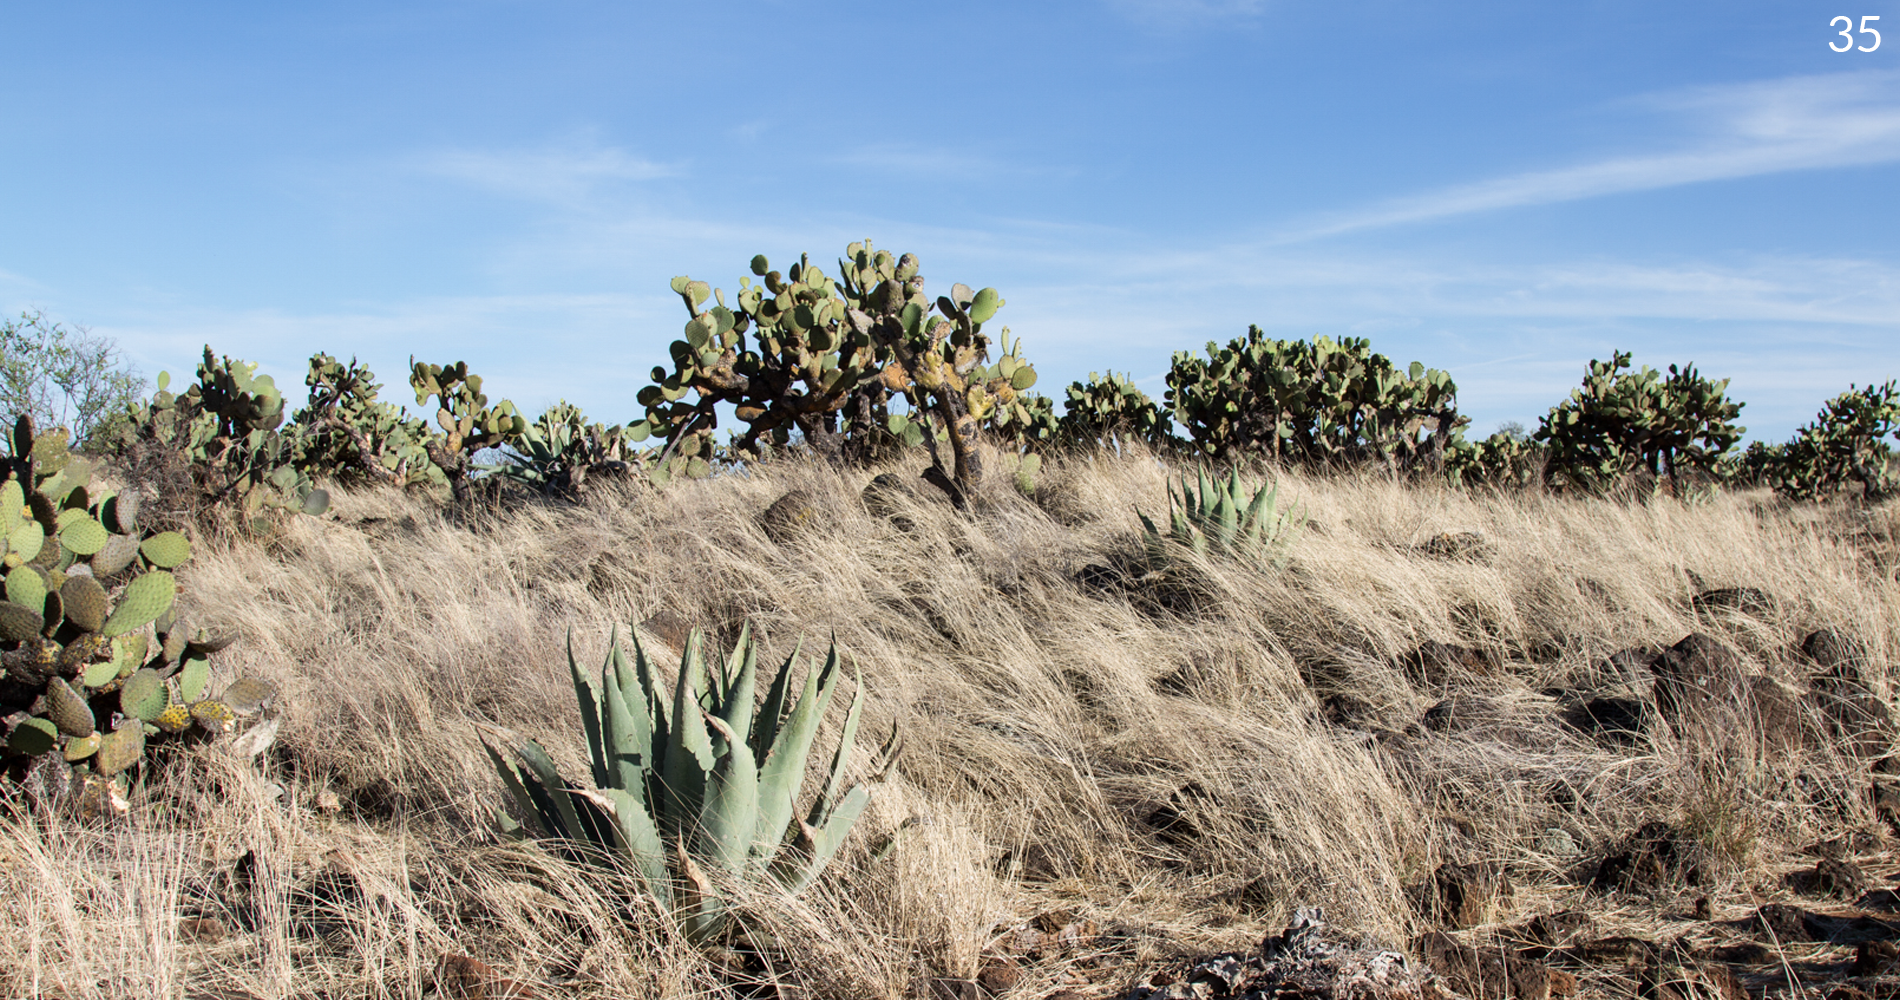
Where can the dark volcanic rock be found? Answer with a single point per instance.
(1614, 720)
(1835, 653)
(1751, 601)
(1438, 665)
(1831, 878)
(1458, 895)
(1654, 857)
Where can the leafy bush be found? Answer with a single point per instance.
(701, 780)
(1322, 403)
(1621, 422)
(1110, 407)
(1845, 443)
(63, 377)
(1503, 460)
(826, 359)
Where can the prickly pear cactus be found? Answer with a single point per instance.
(227, 429)
(1319, 403)
(1110, 407)
(859, 365)
(1623, 421)
(559, 451)
(97, 664)
(465, 422)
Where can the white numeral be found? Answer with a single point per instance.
(1847, 34)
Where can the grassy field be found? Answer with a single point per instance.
(1165, 770)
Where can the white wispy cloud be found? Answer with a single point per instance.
(568, 175)
(1186, 13)
(1739, 130)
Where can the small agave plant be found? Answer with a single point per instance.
(1220, 519)
(704, 779)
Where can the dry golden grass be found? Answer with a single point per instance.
(1050, 729)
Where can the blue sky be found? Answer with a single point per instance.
(1501, 190)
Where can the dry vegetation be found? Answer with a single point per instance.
(1182, 769)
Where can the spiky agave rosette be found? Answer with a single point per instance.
(703, 781)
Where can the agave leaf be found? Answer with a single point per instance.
(842, 757)
(729, 818)
(819, 844)
(784, 769)
(626, 737)
(743, 668)
(773, 711)
(528, 805)
(590, 714)
(640, 838)
(553, 789)
(689, 753)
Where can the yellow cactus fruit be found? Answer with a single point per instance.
(176, 718)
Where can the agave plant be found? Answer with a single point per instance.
(705, 779)
(1220, 519)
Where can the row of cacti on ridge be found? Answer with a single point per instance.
(862, 365)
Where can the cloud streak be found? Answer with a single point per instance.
(566, 176)
(1768, 127)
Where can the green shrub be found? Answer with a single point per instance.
(1845, 443)
(1319, 403)
(1109, 408)
(64, 377)
(1622, 422)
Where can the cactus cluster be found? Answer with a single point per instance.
(702, 779)
(349, 434)
(96, 661)
(466, 423)
(804, 353)
(227, 429)
(1319, 403)
(1500, 461)
(1845, 443)
(1110, 408)
(1622, 421)
(1225, 519)
(558, 451)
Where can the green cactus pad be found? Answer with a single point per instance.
(166, 549)
(19, 623)
(67, 709)
(85, 601)
(119, 513)
(26, 586)
(117, 553)
(25, 540)
(173, 648)
(213, 716)
(119, 750)
(248, 694)
(98, 675)
(79, 749)
(33, 737)
(12, 505)
(176, 718)
(145, 598)
(192, 677)
(84, 536)
(143, 695)
(43, 511)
